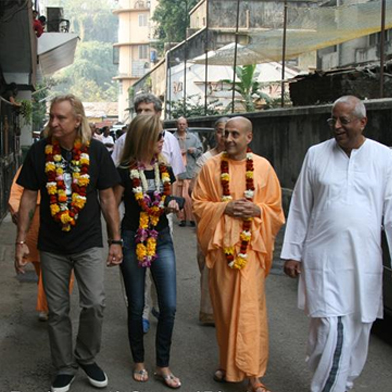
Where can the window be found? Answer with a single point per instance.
(374, 39)
(142, 20)
(143, 51)
(116, 55)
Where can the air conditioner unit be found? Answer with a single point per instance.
(54, 16)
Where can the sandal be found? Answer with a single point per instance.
(143, 375)
(168, 379)
(219, 375)
(258, 387)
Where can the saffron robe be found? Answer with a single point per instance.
(238, 296)
(334, 229)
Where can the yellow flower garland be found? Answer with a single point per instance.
(61, 212)
(238, 261)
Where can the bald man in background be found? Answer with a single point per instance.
(238, 215)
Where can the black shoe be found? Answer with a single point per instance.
(182, 224)
(192, 223)
(62, 383)
(95, 375)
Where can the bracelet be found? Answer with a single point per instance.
(20, 242)
(115, 242)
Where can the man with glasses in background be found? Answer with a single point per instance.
(333, 243)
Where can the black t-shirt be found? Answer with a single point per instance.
(88, 231)
(132, 208)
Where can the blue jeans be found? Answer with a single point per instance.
(163, 271)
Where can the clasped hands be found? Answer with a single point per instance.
(172, 207)
(115, 256)
(292, 268)
(242, 208)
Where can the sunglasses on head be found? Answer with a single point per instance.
(161, 135)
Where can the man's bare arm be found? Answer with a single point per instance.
(27, 207)
(110, 212)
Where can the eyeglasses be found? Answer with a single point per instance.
(161, 135)
(343, 121)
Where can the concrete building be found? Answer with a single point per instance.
(219, 93)
(212, 26)
(132, 52)
(101, 113)
(358, 51)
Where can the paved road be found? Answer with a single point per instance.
(24, 352)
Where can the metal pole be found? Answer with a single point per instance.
(206, 63)
(235, 54)
(282, 87)
(382, 48)
(170, 86)
(185, 54)
(167, 84)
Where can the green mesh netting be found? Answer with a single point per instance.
(309, 28)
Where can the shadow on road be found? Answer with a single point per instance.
(382, 329)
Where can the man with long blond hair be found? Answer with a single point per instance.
(75, 176)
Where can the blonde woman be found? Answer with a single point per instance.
(147, 243)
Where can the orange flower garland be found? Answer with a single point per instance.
(238, 261)
(60, 209)
(146, 236)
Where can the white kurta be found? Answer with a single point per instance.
(334, 228)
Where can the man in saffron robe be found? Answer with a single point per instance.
(332, 242)
(238, 296)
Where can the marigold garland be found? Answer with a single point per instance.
(238, 261)
(146, 236)
(60, 209)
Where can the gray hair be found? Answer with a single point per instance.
(221, 120)
(148, 98)
(359, 108)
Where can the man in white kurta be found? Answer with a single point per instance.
(332, 243)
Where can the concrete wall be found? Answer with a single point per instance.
(356, 51)
(284, 135)
(253, 13)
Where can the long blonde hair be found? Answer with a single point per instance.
(142, 136)
(84, 130)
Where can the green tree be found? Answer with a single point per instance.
(172, 17)
(90, 77)
(247, 86)
(39, 105)
(92, 20)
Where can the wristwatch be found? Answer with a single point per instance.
(115, 242)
